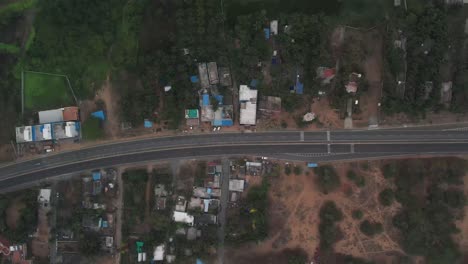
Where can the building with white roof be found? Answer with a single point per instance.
(236, 185)
(248, 105)
(183, 217)
(44, 197)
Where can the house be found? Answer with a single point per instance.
(59, 115)
(326, 74)
(223, 116)
(109, 241)
(181, 204)
(183, 217)
(193, 233)
(353, 82)
(195, 203)
(158, 254)
(253, 168)
(91, 222)
(160, 190)
(269, 105)
(274, 27)
(213, 73)
(225, 76)
(236, 185)
(248, 105)
(44, 197)
(207, 114)
(203, 74)
(202, 192)
(51, 131)
(206, 219)
(192, 117)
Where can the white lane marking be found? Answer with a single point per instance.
(328, 135)
(457, 129)
(302, 135)
(352, 148)
(329, 149)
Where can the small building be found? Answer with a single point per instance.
(206, 219)
(91, 222)
(183, 217)
(207, 114)
(248, 105)
(160, 203)
(223, 116)
(326, 74)
(215, 193)
(192, 117)
(181, 204)
(44, 197)
(274, 27)
(225, 76)
(353, 82)
(253, 168)
(269, 105)
(158, 254)
(109, 241)
(202, 192)
(51, 116)
(195, 203)
(397, 3)
(203, 74)
(213, 73)
(160, 190)
(45, 132)
(236, 185)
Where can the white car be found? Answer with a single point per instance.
(214, 129)
(219, 128)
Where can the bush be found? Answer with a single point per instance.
(297, 170)
(358, 180)
(389, 170)
(370, 229)
(329, 212)
(287, 170)
(386, 197)
(327, 179)
(454, 198)
(284, 124)
(357, 214)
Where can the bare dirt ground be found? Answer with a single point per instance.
(40, 243)
(294, 205)
(6, 153)
(462, 225)
(13, 212)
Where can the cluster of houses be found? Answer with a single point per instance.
(53, 125)
(214, 108)
(97, 185)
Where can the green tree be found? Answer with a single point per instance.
(297, 170)
(357, 214)
(327, 179)
(287, 170)
(370, 229)
(90, 243)
(386, 197)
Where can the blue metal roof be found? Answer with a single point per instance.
(299, 87)
(219, 98)
(148, 124)
(96, 175)
(254, 83)
(226, 122)
(217, 122)
(206, 99)
(267, 33)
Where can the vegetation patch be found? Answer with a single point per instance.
(92, 129)
(327, 178)
(359, 180)
(369, 228)
(8, 48)
(45, 91)
(328, 229)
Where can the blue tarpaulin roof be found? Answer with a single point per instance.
(206, 99)
(199, 261)
(148, 124)
(267, 33)
(99, 114)
(227, 122)
(219, 98)
(194, 79)
(299, 87)
(312, 165)
(96, 175)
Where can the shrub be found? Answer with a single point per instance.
(327, 179)
(370, 229)
(357, 214)
(386, 197)
(297, 170)
(287, 170)
(358, 180)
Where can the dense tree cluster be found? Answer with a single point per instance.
(327, 178)
(328, 229)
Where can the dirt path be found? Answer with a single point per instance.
(148, 192)
(373, 74)
(106, 94)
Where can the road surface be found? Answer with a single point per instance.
(307, 146)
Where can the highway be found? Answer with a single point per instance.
(294, 145)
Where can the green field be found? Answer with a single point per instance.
(43, 91)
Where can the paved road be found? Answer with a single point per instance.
(319, 146)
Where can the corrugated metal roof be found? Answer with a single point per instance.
(51, 116)
(206, 99)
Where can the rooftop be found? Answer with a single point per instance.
(51, 116)
(203, 73)
(269, 104)
(183, 217)
(236, 185)
(213, 73)
(248, 105)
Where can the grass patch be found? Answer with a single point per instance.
(43, 91)
(8, 48)
(16, 7)
(92, 129)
